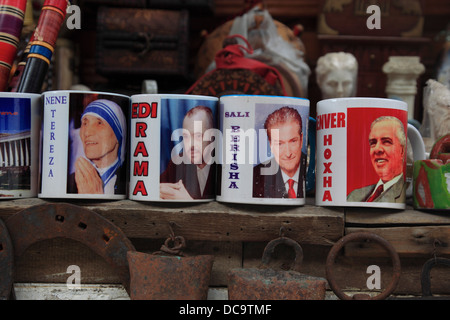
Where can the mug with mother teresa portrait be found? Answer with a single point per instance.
(84, 145)
(361, 152)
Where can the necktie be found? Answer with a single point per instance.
(376, 193)
(291, 191)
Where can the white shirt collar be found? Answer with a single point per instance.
(295, 178)
(202, 175)
(390, 183)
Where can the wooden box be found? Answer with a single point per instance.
(142, 42)
(399, 18)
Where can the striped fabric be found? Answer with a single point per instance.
(39, 57)
(12, 14)
(51, 18)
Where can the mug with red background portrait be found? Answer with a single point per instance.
(361, 152)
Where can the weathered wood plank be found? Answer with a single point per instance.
(407, 241)
(56, 291)
(371, 216)
(212, 221)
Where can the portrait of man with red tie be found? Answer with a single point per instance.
(387, 151)
(284, 132)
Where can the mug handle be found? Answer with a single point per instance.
(418, 150)
(311, 170)
(417, 143)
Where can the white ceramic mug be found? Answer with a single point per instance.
(84, 145)
(361, 144)
(264, 149)
(173, 138)
(20, 122)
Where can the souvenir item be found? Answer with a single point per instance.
(42, 46)
(264, 149)
(402, 73)
(272, 43)
(337, 75)
(361, 152)
(234, 73)
(12, 14)
(432, 178)
(173, 139)
(84, 145)
(20, 121)
(436, 111)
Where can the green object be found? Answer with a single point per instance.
(431, 189)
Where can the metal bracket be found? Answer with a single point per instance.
(61, 220)
(425, 274)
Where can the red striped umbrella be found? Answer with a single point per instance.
(12, 14)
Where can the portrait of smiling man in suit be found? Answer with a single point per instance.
(387, 141)
(285, 136)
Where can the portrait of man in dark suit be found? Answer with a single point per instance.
(387, 141)
(285, 136)
(194, 176)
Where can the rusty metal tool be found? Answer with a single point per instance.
(265, 283)
(359, 236)
(425, 277)
(169, 274)
(61, 220)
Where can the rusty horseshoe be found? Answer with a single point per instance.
(62, 220)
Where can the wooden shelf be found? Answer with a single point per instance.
(236, 235)
(370, 217)
(211, 221)
(411, 231)
(301, 8)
